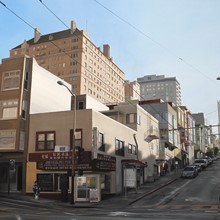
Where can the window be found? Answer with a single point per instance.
(75, 40)
(45, 140)
(119, 147)
(74, 63)
(7, 139)
(24, 109)
(74, 47)
(81, 105)
(101, 145)
(132, 149)
(26, 80)
(131, 118)
(74, 55)
(78, 138)
(8, 109)
(73, 78)
(11, 80)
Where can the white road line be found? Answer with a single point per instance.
(172, 193)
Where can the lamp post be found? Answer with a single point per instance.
(72, 200)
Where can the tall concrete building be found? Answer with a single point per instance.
(160, 87)
(71, 55)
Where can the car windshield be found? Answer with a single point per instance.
(188, 169)
(199, 161)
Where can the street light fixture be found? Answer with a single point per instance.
(72, 200)
(218, 78)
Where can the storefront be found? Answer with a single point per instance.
(93, 178)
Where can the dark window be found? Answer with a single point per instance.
(119, 147)
(131, 118)
(45, 140)
(26, 81)
(78, 138)
(101, 145)
(81, 105)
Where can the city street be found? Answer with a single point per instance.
(183, 199)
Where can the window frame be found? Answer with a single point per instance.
(119, 147)
(46, 147)
(13, 74)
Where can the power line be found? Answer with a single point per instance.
(76, 60)
(125, 82)
(154, 41)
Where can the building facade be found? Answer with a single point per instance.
(132, 90)
(109, 151)
(71, 55)
(160, 87)
(26, 88)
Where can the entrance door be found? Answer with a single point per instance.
(83, 186)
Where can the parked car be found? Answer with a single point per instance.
(189, 172)
(203, 163)
(209, 159)
(198, 168)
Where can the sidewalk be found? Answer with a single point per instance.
(121, 201)
(116, 201)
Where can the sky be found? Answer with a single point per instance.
(176, 38)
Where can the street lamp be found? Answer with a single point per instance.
(72, 200)
(218, 78)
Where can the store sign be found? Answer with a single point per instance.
(37, 157)
(103, 165)
(54, 165)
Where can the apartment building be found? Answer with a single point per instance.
(71, 55)
(160, 87)
(26, 88)
(170, 148)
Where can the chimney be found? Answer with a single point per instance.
(36, 35)
(73, 27)
(106, 50)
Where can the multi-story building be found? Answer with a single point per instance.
(160, 87)
(26, 88)
(114, 141)
(71, 55)
(132, 90)
(202, 130)
(169, 134)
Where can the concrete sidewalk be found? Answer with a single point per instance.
(114, 202)
(122, 201)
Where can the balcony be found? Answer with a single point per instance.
(151, 134)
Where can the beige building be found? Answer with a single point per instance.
(71, 55)
(111, 147)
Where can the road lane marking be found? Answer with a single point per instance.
(172, 193)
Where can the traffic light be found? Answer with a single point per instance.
(80, 172)
(12, 165)
(80, 155)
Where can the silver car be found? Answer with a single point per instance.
(189, 172)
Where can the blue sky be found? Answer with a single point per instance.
(179, 38)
